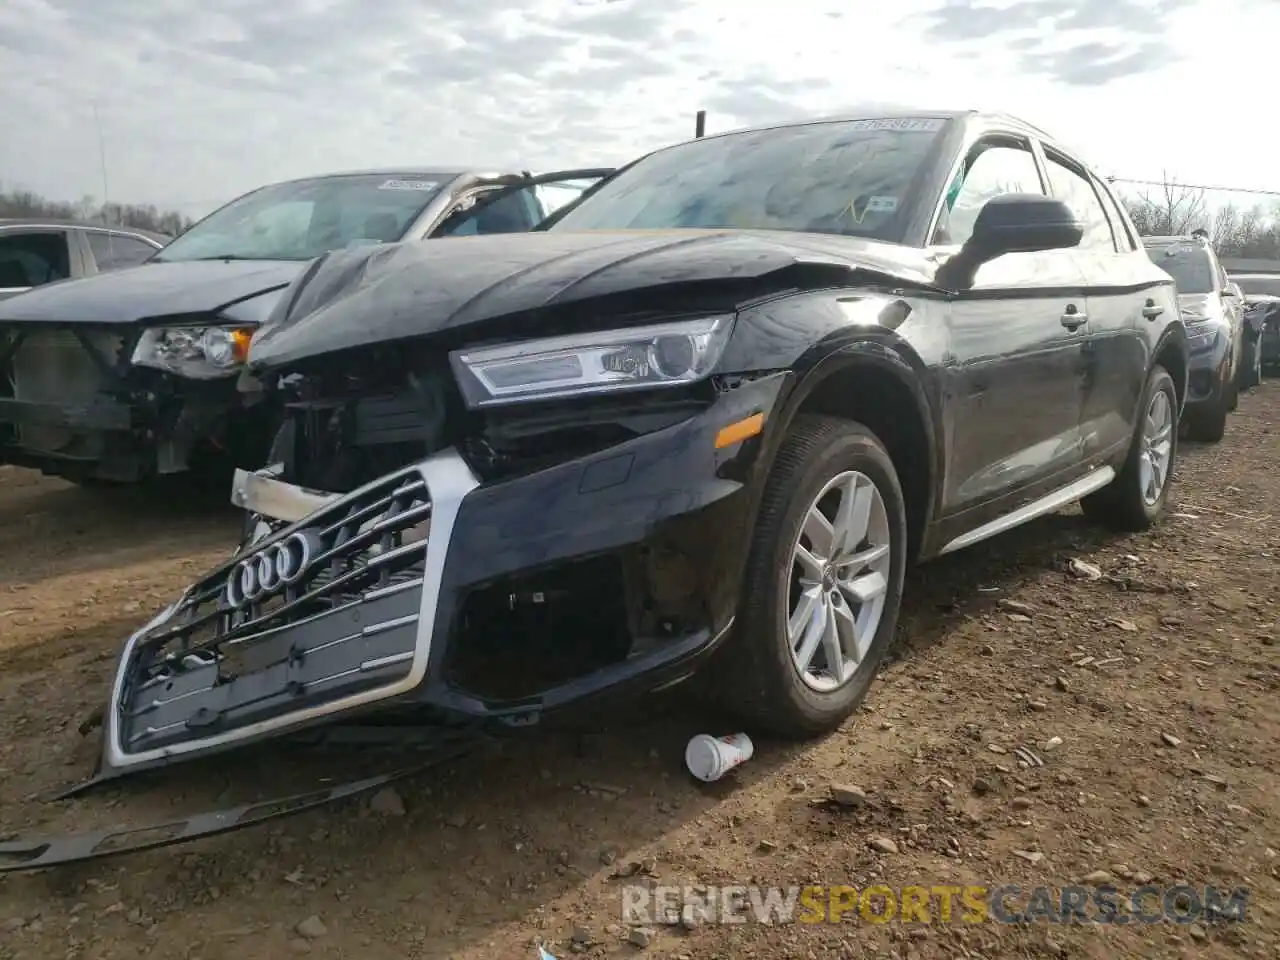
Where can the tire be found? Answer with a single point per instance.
(1208, 425)
(761, 682)
(1122, 504)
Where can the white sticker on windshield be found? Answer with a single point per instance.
(913, 124)
(409, 185)
(882, 205)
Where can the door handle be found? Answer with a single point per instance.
(1072, 318)
(1151, 311)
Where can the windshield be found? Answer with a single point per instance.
(1189, 267)
(305, 218)
(850, 177)
(1259, 285)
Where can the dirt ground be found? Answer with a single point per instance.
(1159, 681)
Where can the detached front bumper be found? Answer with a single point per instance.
(431, 593)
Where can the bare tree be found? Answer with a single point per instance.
(25, 203)
(1173, 210)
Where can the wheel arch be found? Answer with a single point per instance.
(1171, 353)
(884, 386)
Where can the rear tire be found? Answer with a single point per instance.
(1126, 503)
(826, 466)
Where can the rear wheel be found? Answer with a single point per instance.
(1135, 499)
(823, 582)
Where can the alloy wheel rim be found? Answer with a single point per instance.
(1157, 448)
(840, 568)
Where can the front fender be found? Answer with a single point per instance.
(893, 335)
(1174, 337)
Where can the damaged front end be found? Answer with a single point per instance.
(443, 567)
(457, 524)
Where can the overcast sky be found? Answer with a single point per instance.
(201, 100)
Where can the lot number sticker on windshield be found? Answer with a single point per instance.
(408, 185)
(882, 205)
(911, 124)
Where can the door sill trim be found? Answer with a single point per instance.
(1094, 480)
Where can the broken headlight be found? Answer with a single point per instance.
(662, 355)
(200, 353)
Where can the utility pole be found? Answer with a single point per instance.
(102, 159)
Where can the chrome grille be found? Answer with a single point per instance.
(347, 621)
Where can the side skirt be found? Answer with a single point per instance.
(1056, 500)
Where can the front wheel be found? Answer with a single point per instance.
(823, 581)
(1134, 500)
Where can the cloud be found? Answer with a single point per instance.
(1037, 27)
(202, 101)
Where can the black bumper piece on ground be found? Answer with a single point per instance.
(434, 747)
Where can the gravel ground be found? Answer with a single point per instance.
(1141, 671)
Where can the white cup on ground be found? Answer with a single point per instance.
(710, 758)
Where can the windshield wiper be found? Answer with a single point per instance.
(227, 256)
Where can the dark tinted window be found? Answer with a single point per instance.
(113, 251)
(511, 213)
(1074, 189)
(850, 177)
(30, 259)
(1188, 264)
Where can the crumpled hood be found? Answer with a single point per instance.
(154, 290)
(362, 296)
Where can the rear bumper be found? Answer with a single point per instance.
(631, 557)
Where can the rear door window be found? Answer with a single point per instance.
(1074, 189)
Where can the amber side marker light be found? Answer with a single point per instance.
(240, 340)
(742, 430)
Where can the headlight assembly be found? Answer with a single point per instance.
(1201, 335)
(661, 355)
(199, 353)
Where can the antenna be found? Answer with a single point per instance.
(700, 124)
(102, 159)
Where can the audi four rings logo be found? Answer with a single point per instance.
(279, 565)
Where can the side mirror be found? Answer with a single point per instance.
(1012, 223)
